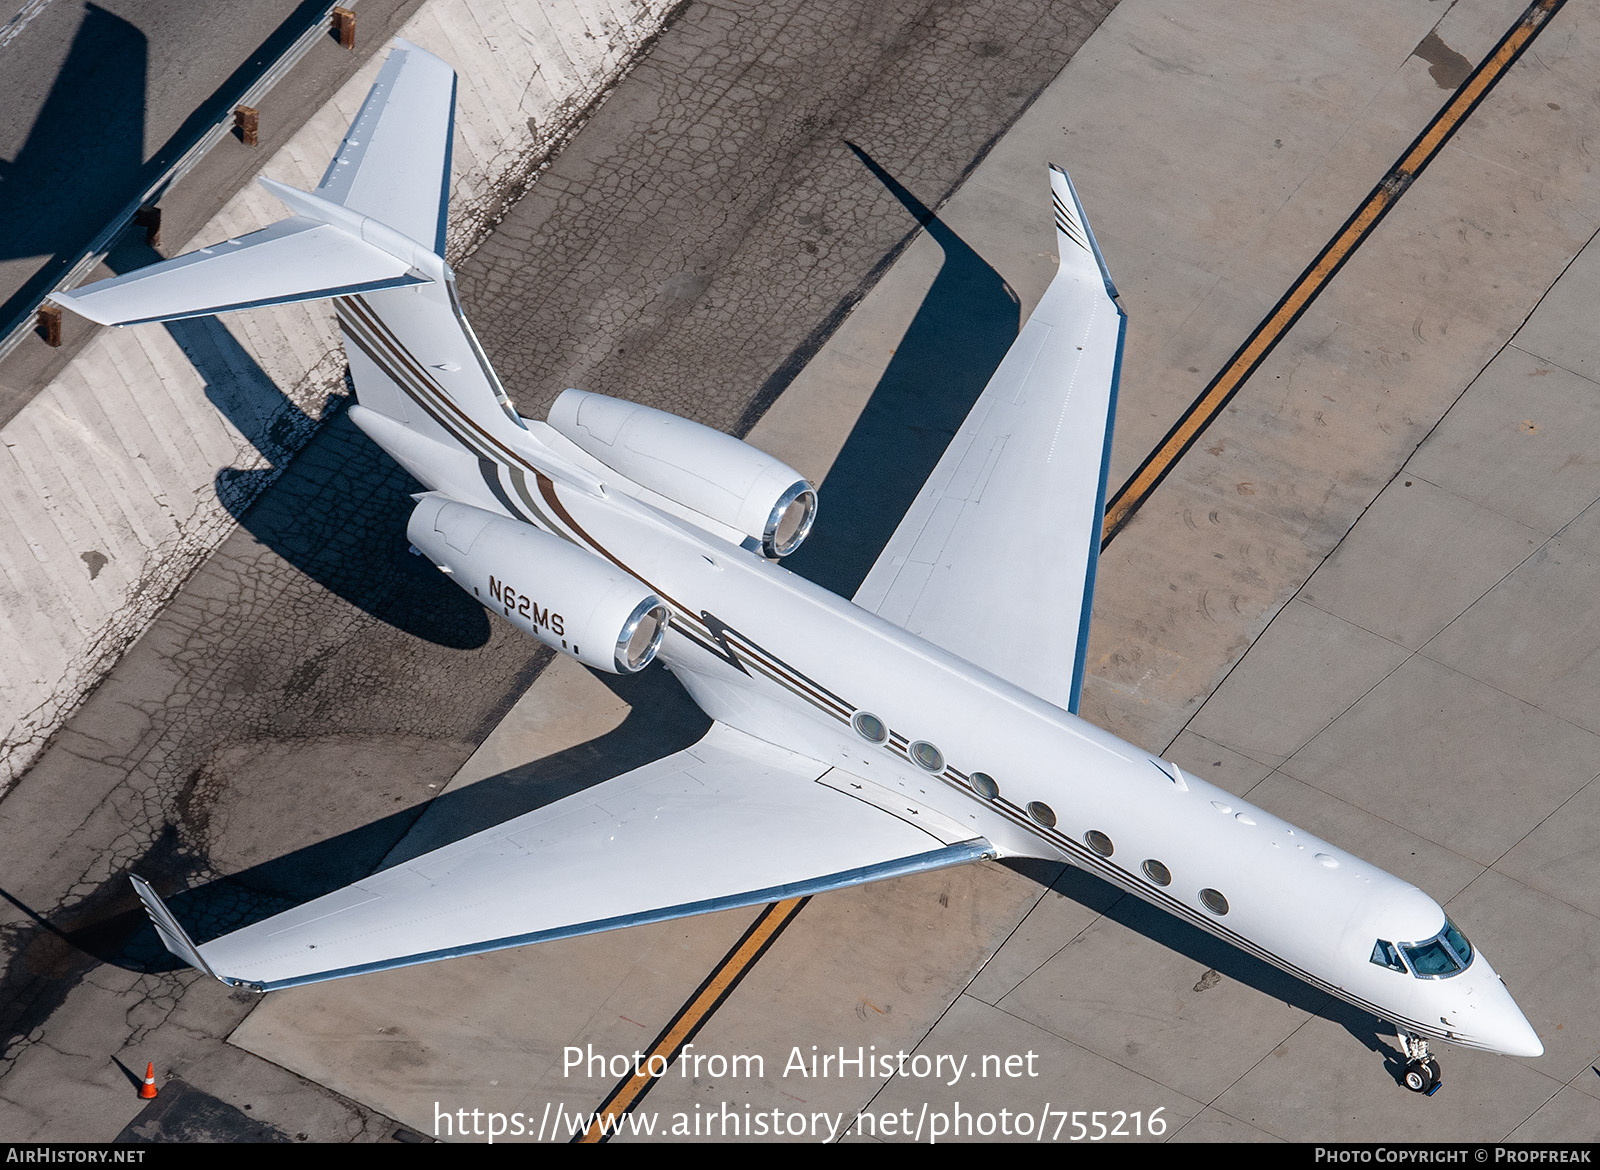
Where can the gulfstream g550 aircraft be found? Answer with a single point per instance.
(928, 721)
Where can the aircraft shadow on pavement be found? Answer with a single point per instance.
(338, 514)
(661, 719)
(1211, 954)
(961, 331)
(331, 504)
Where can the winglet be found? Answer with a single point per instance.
(173, 936)
(1074, 238)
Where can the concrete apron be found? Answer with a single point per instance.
(1215, 150)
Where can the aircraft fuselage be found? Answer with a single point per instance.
(947, 745)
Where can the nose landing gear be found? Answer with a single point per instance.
(1422, 1071)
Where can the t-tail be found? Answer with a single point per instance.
(371, 237)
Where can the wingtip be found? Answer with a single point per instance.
(1074, 237)
(168, 929)
(1071, 227)
(77, 305)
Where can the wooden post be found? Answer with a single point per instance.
(246, 120)
(149, 218)
(344, 27)
(50, 324)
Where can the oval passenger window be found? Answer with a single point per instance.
(984, 785)
(868, 726)
(927, 757)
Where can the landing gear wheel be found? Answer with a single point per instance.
(1421, 1076)
(1422, 1070)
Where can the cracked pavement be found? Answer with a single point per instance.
(291, 713)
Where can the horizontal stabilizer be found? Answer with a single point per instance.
(297, 259)
(173, 936)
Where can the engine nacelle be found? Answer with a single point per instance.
(565, 596)
(702, 469)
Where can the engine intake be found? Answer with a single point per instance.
(565, 596)
(702, 469)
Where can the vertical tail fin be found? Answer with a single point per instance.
(371, 237)
(394, 163)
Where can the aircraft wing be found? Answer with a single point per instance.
(995, 559)
(731, 821)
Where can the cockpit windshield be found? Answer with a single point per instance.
(1431, 958)
(1445, 954)
(1457, 942)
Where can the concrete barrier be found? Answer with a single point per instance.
(123, 474)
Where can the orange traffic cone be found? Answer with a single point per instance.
(147, 1091)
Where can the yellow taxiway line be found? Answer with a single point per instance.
(706, 999)
(1204, 410)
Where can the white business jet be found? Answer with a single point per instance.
(926, 722)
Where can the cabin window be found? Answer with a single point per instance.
(984, 785)
(1156, 872)
(869, 727)
(1213, 901)
(1042, 813)
(1386, 954)
(1099, 842)
(927, 757)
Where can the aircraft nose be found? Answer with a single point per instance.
(1506, 1029)
(1518, 1039)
